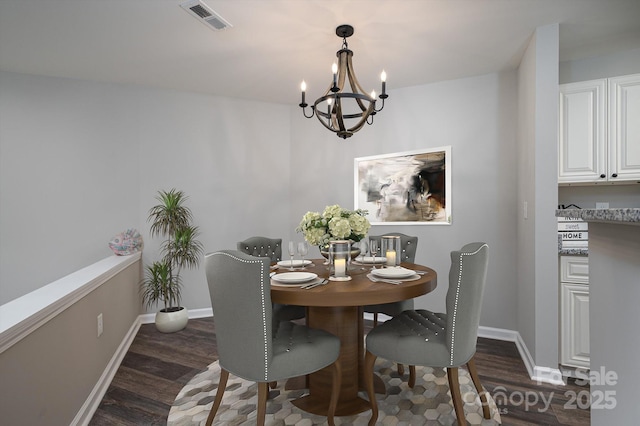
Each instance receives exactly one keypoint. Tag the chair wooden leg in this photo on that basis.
(473, 372)
(375, 319)
(401, 369)
(454, 386)
(412, 376)
(369, 361)
(222, 384)
(336, 373)
(263, 391)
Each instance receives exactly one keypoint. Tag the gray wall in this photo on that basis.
(537, 187)
(252, 168)
(477, 117)
(609, 65)
(69, 176)
(83, 161)
(231, 157)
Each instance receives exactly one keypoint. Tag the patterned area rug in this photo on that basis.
(428, 403)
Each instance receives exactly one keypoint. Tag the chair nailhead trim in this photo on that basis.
(264, 310)
(455, 305)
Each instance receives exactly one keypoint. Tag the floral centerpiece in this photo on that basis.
(335, 223)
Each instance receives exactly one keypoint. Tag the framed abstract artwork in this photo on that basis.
(405, 188)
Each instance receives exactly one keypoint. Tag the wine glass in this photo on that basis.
(292, 251)
(303, 249)
(373, 247)
(364, 249)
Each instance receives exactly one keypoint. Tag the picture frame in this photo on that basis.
(405, 188)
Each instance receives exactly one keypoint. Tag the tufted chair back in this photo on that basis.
(262, 247)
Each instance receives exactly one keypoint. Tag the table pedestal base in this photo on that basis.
(346, 323)
(318, 405)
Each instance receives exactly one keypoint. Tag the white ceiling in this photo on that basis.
(274, 44)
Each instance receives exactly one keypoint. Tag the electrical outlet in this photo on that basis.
(602, 205)
(100, 326)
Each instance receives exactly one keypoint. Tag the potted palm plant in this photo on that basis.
(162, 283)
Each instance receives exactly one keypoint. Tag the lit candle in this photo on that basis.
(303, 87)
(341, 267)
(373, 95)
(383, 78)
(391, 258)
(334, 70)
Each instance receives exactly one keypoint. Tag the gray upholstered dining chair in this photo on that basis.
(447, 340)
(272, 248)
(248, 346)
(409, 245)
(262, 247)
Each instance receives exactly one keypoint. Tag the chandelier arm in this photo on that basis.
(364, 120)
(355, 84)
(343, 64)
(323, 122)
(304, 112)
(378, 110)
(321, 115)
(338, 117)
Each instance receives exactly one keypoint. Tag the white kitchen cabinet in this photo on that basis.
(582, 126)
(624, 127)
(574, 311)
(599, 134)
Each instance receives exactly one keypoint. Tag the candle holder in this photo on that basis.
(339, 258)
(391, 249)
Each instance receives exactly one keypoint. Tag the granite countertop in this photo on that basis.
(621, 216)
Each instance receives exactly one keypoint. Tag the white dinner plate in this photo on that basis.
(296, 263)
(399, 272)
(370, 260)
(294, 277)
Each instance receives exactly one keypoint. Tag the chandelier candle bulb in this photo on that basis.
(303, 88)
(334, 70)
(383, 78)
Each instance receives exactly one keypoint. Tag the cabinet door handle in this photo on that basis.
(614, 175)
(602, 176)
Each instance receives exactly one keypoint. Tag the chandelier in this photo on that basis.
(339, 110)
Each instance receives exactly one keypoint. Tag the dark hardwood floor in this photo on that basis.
(158, 365)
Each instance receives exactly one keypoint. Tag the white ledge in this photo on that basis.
(20, 317)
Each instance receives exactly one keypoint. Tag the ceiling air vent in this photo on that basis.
(205, 14)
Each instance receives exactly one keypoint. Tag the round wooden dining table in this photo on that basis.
(337, 307)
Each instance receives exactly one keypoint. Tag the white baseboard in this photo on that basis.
(83, 417)
(193, 313)
(540, 374)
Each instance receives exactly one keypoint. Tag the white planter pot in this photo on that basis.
(170, 322)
